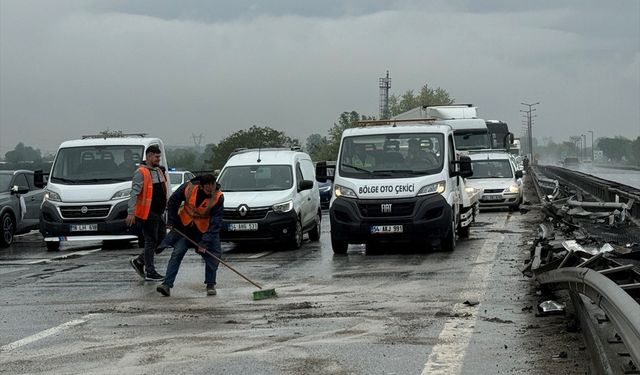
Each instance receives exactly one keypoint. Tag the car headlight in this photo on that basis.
(341, 191)
(284, 206)
(512, 189)
(436, 188)
(470, 190)
(52, 196)
(324, 189)
(124, 193)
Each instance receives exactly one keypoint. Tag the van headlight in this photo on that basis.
(124, 193)
(283, 207)
(436, 188)
(470, 190)
(341, 191)
(52, 196)
(512, 189)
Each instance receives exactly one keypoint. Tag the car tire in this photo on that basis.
(448, 243)
(52, 245)
(296, 239)
(314, 234)
(463, 232)
(339, 247)
(7, 229)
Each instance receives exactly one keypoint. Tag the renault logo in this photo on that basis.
(84, 209)
(243, 209)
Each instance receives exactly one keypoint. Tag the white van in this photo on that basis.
(270, 194)
(397, 184)
(89, 186)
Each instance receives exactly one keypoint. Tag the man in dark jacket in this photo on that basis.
(199, 218)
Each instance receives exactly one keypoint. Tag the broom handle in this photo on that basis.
(215, 257)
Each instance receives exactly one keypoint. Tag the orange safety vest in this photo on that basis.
(199, 215)
(143, 203)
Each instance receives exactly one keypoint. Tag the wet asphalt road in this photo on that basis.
(395, 311)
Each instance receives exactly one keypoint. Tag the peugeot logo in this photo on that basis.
(385, 208)
(84, 209)
(243, 209)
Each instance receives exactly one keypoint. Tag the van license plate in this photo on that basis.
(84, 227)
(386, 229)
(243, 226)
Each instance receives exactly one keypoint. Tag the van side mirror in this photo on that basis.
(519, 174)
(38, 179)
(465, 167)
(305, 185)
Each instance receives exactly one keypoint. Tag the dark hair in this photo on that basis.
(207, 179)
(154, 149)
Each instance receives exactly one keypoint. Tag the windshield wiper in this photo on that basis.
(358, 168)
(67, 180)
(406, 171)
(102, 179)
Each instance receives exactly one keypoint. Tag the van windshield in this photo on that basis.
(491, 169)
(392, 155)
(472, 139)
(96, 164)
(256, 178)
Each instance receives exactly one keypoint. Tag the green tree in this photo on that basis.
(426, 97)
(635, 151)
(616, 149)
(345, 121)
(22, 153)
(254, 137)
(315, 146)
(185, 158)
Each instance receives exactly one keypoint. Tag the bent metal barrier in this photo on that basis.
(620, 307)
(599, 188)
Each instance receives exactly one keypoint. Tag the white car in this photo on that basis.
(177, 178)
(497, 180)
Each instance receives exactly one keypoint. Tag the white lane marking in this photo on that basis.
(41, 335)
(75, 254)
(446, 358)
(259, 255)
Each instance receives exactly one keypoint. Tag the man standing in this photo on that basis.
(147, 204)
(200, 219)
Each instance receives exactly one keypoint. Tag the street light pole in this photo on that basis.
(529, 123)
(591, 131)
(583, 145)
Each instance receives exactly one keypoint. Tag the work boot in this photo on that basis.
(153, 276)
(138, 266)
(164, 290)
(211, 290)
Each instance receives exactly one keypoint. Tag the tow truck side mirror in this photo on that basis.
(519, 174)
(322, 174)
(38, 179)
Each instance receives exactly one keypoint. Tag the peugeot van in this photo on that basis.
(270, 194)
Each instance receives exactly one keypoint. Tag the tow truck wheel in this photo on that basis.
(314, 234)
(52, 245)
(7, 230)
(448, 243)
(339, 247)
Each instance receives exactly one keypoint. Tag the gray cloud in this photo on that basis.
(174, 68)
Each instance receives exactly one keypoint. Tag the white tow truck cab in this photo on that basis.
(89, 187)
(396, 184)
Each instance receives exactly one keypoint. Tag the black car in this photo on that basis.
(20, 202)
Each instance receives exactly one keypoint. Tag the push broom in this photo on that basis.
(257, 295)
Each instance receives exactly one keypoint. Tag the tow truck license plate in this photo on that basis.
(84, 227)
(492, 197)
(243, 226)
(386, 229)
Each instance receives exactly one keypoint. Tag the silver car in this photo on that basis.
(20, 202)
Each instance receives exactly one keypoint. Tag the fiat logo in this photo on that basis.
(84, 209)
(243, 209)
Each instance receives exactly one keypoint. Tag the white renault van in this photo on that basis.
(89, 186)
(270, 194)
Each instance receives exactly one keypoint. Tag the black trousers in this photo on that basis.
(154, 231)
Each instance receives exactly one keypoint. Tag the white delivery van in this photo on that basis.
(396, 184)
(270, 194)
(89, 187)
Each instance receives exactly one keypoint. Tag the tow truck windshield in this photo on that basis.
(96, 164)
(392, 155)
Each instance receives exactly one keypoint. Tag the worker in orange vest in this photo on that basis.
(146, 205)
(200, 219)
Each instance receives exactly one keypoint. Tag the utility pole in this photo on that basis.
(591, 131)
(385, 85)
(197, 141)
(529, 124)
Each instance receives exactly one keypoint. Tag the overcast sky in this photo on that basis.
(176, 68)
